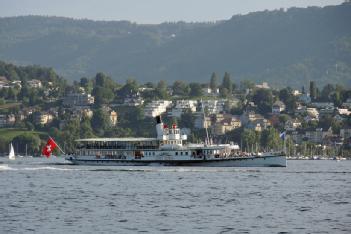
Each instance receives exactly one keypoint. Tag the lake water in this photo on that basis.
(44, 196)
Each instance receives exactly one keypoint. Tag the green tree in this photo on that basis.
(11, 94)
(337, 96)
(249, 139)
(286, 96)
(224, 93)
(86, 130)
(313, 91)
(180, 88)
(86, 84)
(129, 89)
(100, 121)
(270, 139)
(105, 81)
(227, 84)
(263, 99)
(195, 90)
(102, 95)
(31, 140)
(246, 84)
(71, 132)
(187, 120)
(214, 81)
(326, 93)
(161, 89)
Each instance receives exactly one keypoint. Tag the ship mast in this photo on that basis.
(205, 123)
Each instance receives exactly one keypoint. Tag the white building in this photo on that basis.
(214, 106)
(343, 111)
(43, 118)
(323, 105)
(34, 83)
(313, 112)
(292, 124)
(181, 106)
(210, 92)
(7, 120)
(156, 108)
(133, 101)
(113, 118)
(264, 85)
(78, 99)
(296, 92)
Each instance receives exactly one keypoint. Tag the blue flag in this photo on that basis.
(282, 135)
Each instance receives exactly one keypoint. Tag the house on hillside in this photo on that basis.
(292, 124)
(264, 85)
(113, 118)
(317, 135)
(181, 106)
(78, 99)
(210, 92)
(249, 116)
(278, 107)
(7, 120)
(34, 83)
(43, 118)
(259, 124)
(226, 124)
(156, 108)
(313, 112)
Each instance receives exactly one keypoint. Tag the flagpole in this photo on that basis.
(285, 145)
(57, 145)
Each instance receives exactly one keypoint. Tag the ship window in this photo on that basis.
(153, 153)
(181, 153)
(176, 153)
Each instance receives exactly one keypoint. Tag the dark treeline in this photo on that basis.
(284, 47)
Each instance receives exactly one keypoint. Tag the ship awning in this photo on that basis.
(124, 139)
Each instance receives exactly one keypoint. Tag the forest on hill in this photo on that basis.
(284, 47)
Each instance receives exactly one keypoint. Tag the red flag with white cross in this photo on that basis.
(49, 147)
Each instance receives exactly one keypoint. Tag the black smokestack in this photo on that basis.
(158, 119)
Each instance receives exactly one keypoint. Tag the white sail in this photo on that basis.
(12, 153)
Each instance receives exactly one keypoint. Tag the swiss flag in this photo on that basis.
(49, 147)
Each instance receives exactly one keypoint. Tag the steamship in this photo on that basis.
(169, 148)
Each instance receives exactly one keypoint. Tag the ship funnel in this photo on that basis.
(159, 127)
(158, 119)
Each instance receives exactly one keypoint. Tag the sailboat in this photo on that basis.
(12, 153)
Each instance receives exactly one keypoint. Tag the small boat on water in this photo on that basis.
(169, 148)
(12, 153)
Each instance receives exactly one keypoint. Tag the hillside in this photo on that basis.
(283, 47)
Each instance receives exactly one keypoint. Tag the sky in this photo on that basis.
(149, 11)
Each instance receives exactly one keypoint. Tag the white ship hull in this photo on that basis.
(253, 161)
